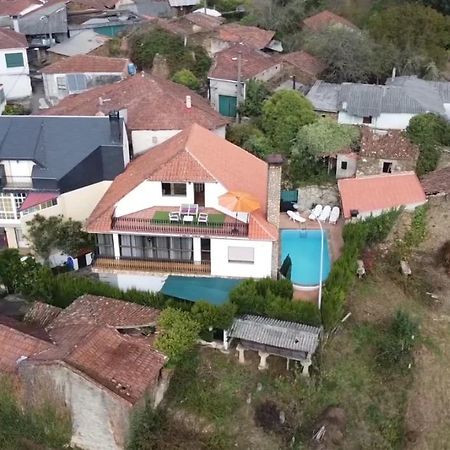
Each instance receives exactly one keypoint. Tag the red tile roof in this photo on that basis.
(387, 144)
(380, 192)
(305, 62)
(15, 7)
(152, 104)
(190, 24)
(11, 39)
(323, 20)
(41, 314)
(253, 36)
(437, 182)
(95, 310)
(87, 64)
(195, 155)
(253, 62)
(36, 198)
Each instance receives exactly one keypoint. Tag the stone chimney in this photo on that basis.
(160, 67)
(188, 102)
(275, 163)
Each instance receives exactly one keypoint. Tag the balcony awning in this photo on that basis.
(35, 198)
(211, 289)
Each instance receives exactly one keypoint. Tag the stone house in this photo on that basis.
(94, 358)
(326, 19)
(385, 152)
(303, 66)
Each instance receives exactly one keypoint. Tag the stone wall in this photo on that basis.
(313, 195)
(374, 166)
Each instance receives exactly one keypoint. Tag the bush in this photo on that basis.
(146, 428)
(256, 93)
(241, 132)
(15, 110)
(186, 78)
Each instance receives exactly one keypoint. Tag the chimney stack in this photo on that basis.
(188, 102)
(114, 125)
(275, 163)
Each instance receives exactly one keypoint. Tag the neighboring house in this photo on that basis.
(132, 223)
(239, 62)
(386, 152)
(43, 22)
(2, 99)
(183, 5)
(56, 166)
(388, 107)
(156, 109)
(305, 67)
(325, 19)
(80, 73)
(14, 70)
(367, 196)
(91, 359)
(437, 183)
(342, 163)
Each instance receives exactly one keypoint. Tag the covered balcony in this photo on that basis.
(172, 220)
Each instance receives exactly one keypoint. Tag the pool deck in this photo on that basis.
(335, 242)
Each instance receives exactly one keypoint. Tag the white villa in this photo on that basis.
(163, 215)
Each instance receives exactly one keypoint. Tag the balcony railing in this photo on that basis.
(136, 225)
(153, 266)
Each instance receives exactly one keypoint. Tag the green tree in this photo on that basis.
(283, 115)
(256, 93)
(178, 333)
(71, 237)
(441, 5)
(10, 269)
(260, 146)
(421, 34)
(186, 78)
(349, 56)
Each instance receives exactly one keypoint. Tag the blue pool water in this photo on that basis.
(303, 246)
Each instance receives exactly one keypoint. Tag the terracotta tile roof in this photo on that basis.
(96, 4)
(380, 192)
(305, 62)
(95, 310)
(260, 229)
(387, 144)
(87, 63)
(253, 62)
(190, 24)
(323, 20)
(42, 314)
(151, 103)
(18, 340)
(36, 198)
(253, 36)
(437, 182)
(11, 39)
(15, 7)
(196, 155)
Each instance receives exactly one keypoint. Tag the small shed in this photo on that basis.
(269, 336)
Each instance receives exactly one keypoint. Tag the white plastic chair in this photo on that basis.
(325, 214)
(202, 218)
(295, 217)
(334, 216)
(174, 217)
(315, 213)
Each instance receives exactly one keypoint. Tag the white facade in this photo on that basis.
(384, 121)
(345, 165)
(15, 73)
(144, 139)
(366, 214)
(2, 100)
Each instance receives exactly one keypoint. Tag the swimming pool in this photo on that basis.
(303, 247)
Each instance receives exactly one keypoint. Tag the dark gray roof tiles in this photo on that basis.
(276, 333)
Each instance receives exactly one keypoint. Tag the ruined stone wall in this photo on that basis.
(374, 166)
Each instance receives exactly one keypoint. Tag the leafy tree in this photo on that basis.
(186, 78)
(71, 237)
(179, 333)
(211, 316)
(349, 56)
(260, 146)
(10, 269)
(238, 133)
(256, 94)
(283, 115)
(417, 31)
(441, 5)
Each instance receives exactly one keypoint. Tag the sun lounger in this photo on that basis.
(315, 213)
(325, 214)
(334, 216)
(295, 216)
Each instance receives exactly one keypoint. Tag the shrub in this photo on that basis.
(146, 428)
(15, 110)
(241, 132)
(186, 78)
(256, 94)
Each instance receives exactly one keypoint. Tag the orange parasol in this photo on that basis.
(239, 201)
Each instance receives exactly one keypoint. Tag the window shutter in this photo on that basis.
(14, 60)
(241, 254)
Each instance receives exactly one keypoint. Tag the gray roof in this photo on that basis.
(153, 8)
(80, 43)
(276, 333)
(324, 96)
(180, 3)
(56, 144)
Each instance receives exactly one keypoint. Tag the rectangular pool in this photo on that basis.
(303, 247)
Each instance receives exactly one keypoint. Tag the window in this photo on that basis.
(76, 82)
(156, 248)
(19, 236)
(171, 189)
(104, 245)
(14, 60)
(19, 198)
(367, 119)
(7, 210)
(241, 255)
(387, 167)
(344, 165)
(61, 83)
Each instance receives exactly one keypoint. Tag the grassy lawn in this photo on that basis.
(213, 219)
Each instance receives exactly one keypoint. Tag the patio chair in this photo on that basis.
(325, 214)
(202, 218)
(174, 217)
(295, 217)
(315, 213)
(334, 216)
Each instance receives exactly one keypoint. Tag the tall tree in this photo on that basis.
(283, 115)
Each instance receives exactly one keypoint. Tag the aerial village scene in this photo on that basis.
(224, 224)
